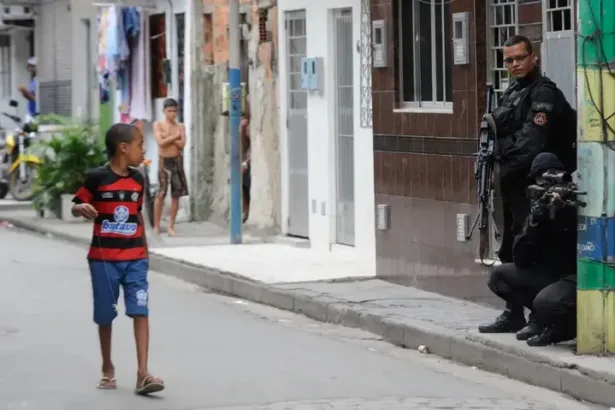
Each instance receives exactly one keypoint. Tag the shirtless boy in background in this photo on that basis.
(171, 139)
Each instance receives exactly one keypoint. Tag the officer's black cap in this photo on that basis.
(544, 162)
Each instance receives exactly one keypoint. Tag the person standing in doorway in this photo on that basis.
(30, 92)
(171, 138)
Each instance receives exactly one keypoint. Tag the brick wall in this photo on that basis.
(424, 165)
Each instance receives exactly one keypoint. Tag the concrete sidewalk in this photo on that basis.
(402, 315)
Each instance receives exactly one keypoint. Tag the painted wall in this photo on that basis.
(321, 133)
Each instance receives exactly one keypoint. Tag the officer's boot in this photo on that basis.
(533, 328)
(507, 322)
(550, 336)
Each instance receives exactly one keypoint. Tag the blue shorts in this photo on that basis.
(106, 280)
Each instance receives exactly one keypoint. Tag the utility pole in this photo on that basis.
(596, 175)
(235, 115)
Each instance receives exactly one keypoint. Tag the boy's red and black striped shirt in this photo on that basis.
(118, 234)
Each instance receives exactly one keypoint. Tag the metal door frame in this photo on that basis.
(303, 232)
(547, 34)
(345, 13)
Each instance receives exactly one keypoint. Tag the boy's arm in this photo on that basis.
(163, 141)
(142, 222)
(181, 141)
(85, 195)
(141, 179)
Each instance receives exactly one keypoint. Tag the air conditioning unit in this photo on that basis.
(16, 13)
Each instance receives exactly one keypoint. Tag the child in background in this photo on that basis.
(171, 139)
(112, 196)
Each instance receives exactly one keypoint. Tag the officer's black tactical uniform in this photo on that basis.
(532, 116)
(543, 275)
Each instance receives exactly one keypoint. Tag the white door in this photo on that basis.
(296, 124)
(344, 125)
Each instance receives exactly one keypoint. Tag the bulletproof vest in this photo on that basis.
(513, 109)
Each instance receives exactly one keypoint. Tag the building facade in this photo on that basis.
(325, 124)
(428, 98)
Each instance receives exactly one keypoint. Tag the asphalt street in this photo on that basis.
(213, 352)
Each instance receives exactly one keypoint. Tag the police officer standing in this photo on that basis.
(543, 275)
(532, 116)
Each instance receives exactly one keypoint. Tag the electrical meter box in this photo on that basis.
(461, 41)
(380, 44)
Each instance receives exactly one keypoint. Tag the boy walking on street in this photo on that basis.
(112, 196)
(171, 139)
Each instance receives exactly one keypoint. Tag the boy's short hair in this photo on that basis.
(117, 134)
(170, 103)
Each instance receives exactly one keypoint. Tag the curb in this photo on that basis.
(472, 349)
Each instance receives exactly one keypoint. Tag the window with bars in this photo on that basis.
(502, 24)
(5, 66)
(559, 15)
(425, 53)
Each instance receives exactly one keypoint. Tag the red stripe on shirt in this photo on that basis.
(105, 254)
(122, 184)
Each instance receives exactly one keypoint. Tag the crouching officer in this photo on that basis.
(532, 116)
(543, 274)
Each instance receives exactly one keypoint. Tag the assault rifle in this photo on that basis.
(556, 191)
(483, 173)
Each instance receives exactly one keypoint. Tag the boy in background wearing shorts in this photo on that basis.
(171, 138)
(112, 196)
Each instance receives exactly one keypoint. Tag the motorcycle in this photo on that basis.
(18, 168)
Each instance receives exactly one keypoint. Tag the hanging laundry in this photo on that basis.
(132, 18)
(122, 41)
(102, 37)
(103, 86)
(141, 97)
(123, 79)
(111, 41)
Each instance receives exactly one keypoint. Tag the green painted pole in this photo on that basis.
(596, 167)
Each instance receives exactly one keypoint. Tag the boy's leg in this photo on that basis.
(179, 188)
(105, 289)
(163, 186)
(136, 297)
(173, 215)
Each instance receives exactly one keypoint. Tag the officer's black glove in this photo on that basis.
(539, 211)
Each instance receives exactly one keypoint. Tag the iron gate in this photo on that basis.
(296, 124)
(344, 126)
